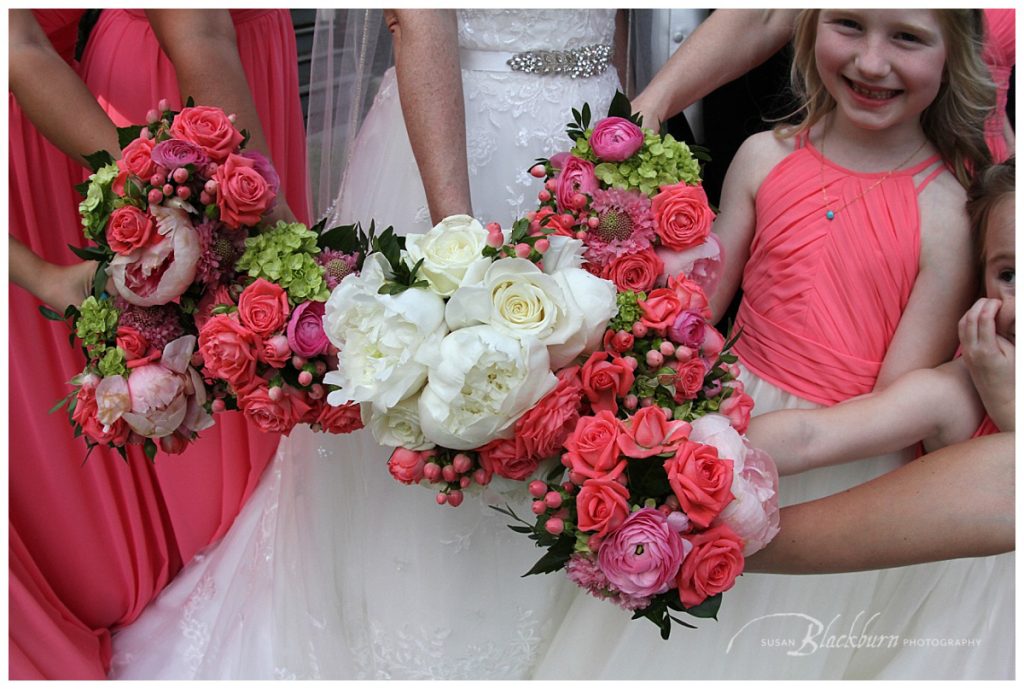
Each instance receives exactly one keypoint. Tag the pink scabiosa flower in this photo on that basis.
(336, 265)
(584, 571)
(157, 324)
(219, 250)
(625, 225)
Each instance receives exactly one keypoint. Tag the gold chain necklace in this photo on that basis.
(831, 213)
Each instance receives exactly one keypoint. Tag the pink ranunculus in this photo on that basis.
(544, 428)
(175, 153)
(660, 309)
(577, 176)
(406, 466)
(689, 378)
(209, 129)
(642, 557)
(592, 449)
(634, 272)
(129, 229)
(86, 414)
(682, 216)
(273, 416)
(558, 160)
(134, 343)
(712, 566)
(615, 139)
(306, 334)
(342, 419)
(136, 159)
(648, 432)
(163, 269)
(159, 399)
(506, 457)
(601, 506)
(243, 195)
(263, 307)
(229, 350)
(606, 377)
(700, 480)
(737, 406)
(691, 296)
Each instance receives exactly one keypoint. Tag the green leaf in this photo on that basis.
(586, 116)
(126, 135)
(96, 161)
(99, 281)
(620, 106)
(190, 102)
(89, 253)
(647, 477)
(245, 138)
(62, 402)
(556, 557)
(50, 314)
(149, 447)
(344, 238)
(707, 609)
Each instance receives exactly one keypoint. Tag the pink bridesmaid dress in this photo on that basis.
(128, 73)
(1000, 53)
(90, 544)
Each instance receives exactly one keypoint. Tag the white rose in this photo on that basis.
(564, 252)
(517, 298)
(398, 426)
(448, 250)
(595, 299)
(480, 382)
(380, 338)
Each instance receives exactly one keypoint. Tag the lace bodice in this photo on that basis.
(518, 30)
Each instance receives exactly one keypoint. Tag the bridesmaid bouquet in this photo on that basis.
(659, 497)
(634, 196)
(460, 347)
(169, 220)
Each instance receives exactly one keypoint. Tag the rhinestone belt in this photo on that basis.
(576, 63)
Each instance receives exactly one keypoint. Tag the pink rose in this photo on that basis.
(306, 334)
(737, 406)
(243, 195)
(601, 506)
(272, 416)
(605, 377)
(136, 159)
(691, 295)
(700, 481)
(175, 153)
(128, 229)
(618, 342)
(682, 216)
(506, 457)
(406, 466)
(134, 343)
(642, 556)
(116, 434)
(648, 432)
(660, 309)
(592, 449)
(689, 378)
(712, 566)
(263, 307)
(229, 350)
(275, 352)
(542, 430)
(343, 419)
(212, 298)
(688, 329)
(576, 177)
(614, 139)
(634, 272)
(209, 129)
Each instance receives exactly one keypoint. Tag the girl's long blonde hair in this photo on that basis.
(954, 122)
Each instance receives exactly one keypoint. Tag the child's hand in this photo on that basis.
(990, 360)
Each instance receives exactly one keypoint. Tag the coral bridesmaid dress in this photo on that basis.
(128, 73)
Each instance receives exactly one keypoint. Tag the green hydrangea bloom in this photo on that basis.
(113, 363)
(582, 148)
(95, 208)
(97, 321)
(284, 255)
(660, 161)
(629, 311)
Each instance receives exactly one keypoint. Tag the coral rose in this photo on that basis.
(273, 416)
(507, 457)
(712, 566)
(660, 309)
(592, 449)
(243, 195)
(263, 307)
(648, 432)
(689, 378)
(342, 419)
(700, 480)
(605, 377)
(128, 229)
(543, 429)
(634, 272)
(406, 466)
(691, 295)
(737, 406)
(137, 159)
(601, 506)
(682, 216)
(229, 350)
(209, 129)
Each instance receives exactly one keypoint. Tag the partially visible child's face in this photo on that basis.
(1000, 265)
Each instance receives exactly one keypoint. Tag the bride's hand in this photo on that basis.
(643, 106)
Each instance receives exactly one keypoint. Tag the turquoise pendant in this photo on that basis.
(831, 215)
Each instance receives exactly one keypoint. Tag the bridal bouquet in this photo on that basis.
(634, 196)
(168, 220)
(460, 346)
(659, 497)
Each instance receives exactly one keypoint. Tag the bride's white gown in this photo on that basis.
(333, 569)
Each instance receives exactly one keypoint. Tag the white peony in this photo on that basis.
(595, 299)
(481, 381)
(448, 250)
(398, 426)
(380, 337)
(564, 252)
